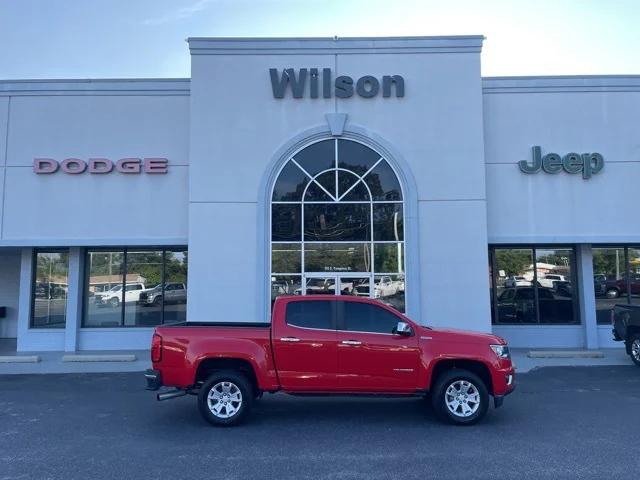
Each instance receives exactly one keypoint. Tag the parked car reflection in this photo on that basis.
(517, 304)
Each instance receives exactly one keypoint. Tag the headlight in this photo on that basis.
(502, 351)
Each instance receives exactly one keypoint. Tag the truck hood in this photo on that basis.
(463, 336)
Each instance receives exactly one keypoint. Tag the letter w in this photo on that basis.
(279, 85)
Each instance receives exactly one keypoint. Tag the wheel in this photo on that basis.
(114, 302)
(460, 397)
(157, 301)
(612, 293)
(226, 398)
(634, 349)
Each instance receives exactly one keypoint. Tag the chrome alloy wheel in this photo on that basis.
(224, 399)
(462, 398)
(635, 349)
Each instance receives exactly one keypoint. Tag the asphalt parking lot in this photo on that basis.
(562, 422)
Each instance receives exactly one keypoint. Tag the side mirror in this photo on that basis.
(404, 329)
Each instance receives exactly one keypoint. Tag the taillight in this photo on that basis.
(156, 348)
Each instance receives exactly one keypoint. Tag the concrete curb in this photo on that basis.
(19, 359)
(99, 358)
(565, 354)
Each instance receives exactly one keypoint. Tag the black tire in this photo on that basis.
(239, 382)
(634, 348)
(157, 301)
(439, 397)
(114, 302)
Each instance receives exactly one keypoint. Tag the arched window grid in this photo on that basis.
(338, 197)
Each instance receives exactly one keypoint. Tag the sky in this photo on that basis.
(146, 38)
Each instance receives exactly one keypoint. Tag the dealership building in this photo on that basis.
(380, 167)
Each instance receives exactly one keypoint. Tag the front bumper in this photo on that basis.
(154, 379)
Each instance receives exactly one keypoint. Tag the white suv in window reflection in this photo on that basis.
(113, 296)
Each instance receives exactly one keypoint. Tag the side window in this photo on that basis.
(364, 317)
(311, 314)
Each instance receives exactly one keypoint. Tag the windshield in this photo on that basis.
(116, 288)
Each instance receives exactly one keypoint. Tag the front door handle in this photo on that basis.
(351, 342)
(289, 339)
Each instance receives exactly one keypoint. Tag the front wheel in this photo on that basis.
(460, 397)
(612, 293)
(634, 349)
(226, 398)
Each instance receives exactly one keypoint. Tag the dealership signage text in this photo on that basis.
(75, 166)
(343, 87)
(587, 163)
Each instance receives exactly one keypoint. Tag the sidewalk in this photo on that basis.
(52, 362)
(524, 364)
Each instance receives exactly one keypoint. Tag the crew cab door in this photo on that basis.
(371, 358)
(304, 344)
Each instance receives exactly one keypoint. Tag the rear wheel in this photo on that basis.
(460, 397)
(634, 349)
(225, 399)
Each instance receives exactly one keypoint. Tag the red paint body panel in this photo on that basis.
(317, 360)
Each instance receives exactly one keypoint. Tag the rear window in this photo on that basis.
(311, 314)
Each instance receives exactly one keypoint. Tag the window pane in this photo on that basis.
(383, 183)
(50, 290)
(311, 314)
(320, 286)
(555, 286)
(388, 257)
(364, 317)
(103, 291)
(514, 285)
(356, 157)
(285, 285)
(337, 257)
(286, 257)
(144, 272)
(285, 222)
(609, 281)
(345, 181)
(359, 193)
(317, 157)
(388, 223)
(389, 289)
(337, 222)
(290, 184)
(175, 286)
(634, 274)
(328, 181)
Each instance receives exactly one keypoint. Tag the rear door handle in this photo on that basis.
(351, 342)
(289, 339)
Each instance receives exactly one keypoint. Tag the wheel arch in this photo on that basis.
(477, 367)
(207, 366)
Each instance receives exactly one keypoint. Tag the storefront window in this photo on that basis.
(135, 287)
(534, 285)
(616, 278)
(337, 220)
(609, 280)
(50, 287)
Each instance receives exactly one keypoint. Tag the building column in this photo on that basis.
(74, 299)
(587, 295)
(24, 296)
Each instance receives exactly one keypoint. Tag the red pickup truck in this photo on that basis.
(323, 344)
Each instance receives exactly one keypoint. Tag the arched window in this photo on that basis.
(337, 224)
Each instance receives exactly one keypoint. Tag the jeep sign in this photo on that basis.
(587, 163)
(75, 166)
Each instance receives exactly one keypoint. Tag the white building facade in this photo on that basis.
(381, 167)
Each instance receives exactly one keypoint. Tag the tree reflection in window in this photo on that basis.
(337, 206)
